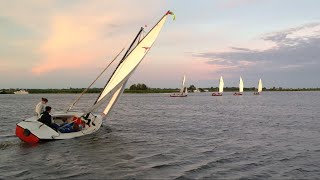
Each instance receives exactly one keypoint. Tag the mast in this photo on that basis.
(123, 58)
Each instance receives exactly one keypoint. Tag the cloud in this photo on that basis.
(69, 36)
(292, 47)
(296, 49)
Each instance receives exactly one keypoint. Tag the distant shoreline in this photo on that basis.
(150, 90)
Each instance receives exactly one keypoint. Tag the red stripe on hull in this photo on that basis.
(26, 135)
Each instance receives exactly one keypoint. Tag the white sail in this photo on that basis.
(186, 91)
(183, 81)
(221, 85)
(114, 99)
(240, 85)
(129, 64)
(260, 86)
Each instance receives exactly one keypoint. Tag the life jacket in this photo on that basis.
(79, 122)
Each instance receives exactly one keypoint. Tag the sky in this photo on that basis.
(63, 44)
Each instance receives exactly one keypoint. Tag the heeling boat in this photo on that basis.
(32, 131)
(240, 88)
(221, 85)
(183, 91)
(259, 88)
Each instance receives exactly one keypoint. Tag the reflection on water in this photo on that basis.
(275, 135)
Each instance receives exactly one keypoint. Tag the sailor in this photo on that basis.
(46, 119)
(40, 106)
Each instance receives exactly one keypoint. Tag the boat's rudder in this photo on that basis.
(26, 135)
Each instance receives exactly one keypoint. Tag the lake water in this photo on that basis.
(151, 136)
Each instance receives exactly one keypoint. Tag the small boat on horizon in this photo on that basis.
(183, 91)
(240, 88)
(259, 88)
(22, 91)
(221, 85)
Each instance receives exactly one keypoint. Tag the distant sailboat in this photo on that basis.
(240, 88)
(259, 88)
(221, 85)
(183, 91)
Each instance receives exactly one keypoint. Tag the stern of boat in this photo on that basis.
(26, 135)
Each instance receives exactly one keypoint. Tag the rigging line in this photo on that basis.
(84, 91)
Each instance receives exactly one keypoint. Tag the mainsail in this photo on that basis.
(240, 85)
(127, 66)
(260, 86)
(221, 85)
(183, 81)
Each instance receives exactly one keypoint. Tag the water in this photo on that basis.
(152, 136)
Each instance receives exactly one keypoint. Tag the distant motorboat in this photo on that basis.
(183, 91)
(240, 88)
(22, 91)
(259, 88)
(221, 85)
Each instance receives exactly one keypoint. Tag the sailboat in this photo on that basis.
(259, 88)
(221, 85)
(240, 88)
(33, 131)
(183, 91)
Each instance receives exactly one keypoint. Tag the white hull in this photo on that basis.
(21, 92)
(37, 131)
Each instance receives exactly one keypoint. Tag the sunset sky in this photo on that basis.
(62, 44)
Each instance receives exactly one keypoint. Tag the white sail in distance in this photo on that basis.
(221, 85)
(260, 86)
(130, 63)
(183, 81)
(240, 85)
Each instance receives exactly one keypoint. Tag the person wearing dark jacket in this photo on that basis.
(47, 119)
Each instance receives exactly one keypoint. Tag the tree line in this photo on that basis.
(143, 88)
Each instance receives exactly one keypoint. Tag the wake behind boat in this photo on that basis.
(221, 85)
(183, 91)
(32, 131)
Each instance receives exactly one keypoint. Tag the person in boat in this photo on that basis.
(40, 106)
(46, 119)
(74, 125)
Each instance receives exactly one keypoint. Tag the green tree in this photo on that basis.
(192, 87)
(133, 87)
